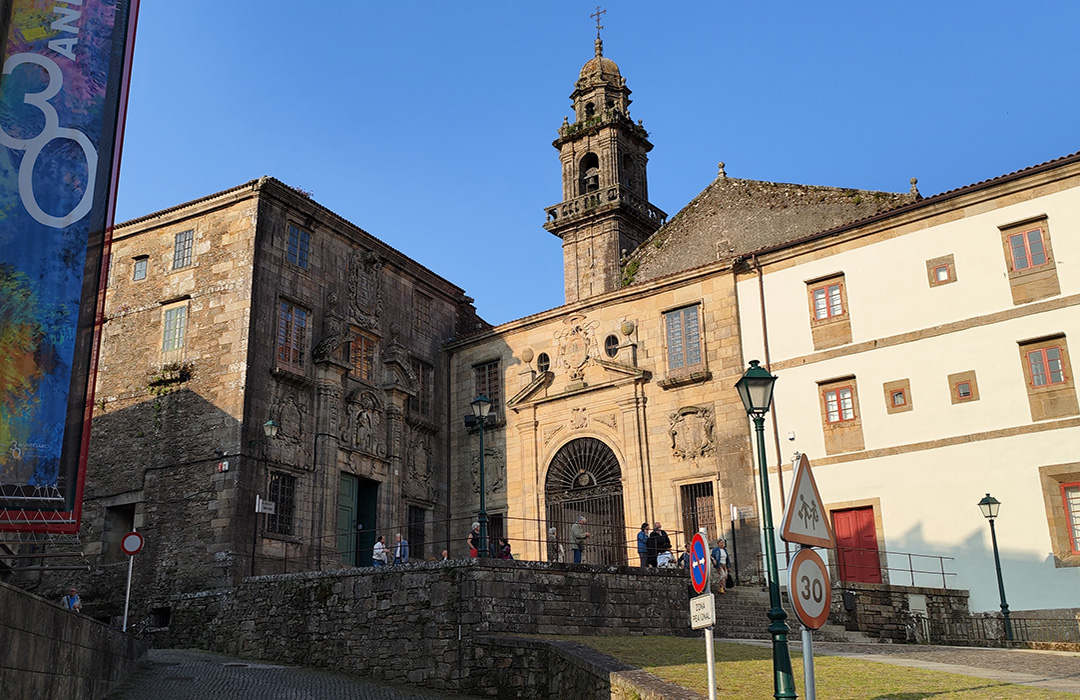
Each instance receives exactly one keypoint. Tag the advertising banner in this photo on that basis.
(63, 92)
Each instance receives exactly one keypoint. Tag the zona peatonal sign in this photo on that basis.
(805, 519)
(63, 93)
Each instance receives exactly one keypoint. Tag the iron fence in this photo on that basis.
(989, 628)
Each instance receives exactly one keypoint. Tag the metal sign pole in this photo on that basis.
(711, 661)
(127, 596)
(808, 663)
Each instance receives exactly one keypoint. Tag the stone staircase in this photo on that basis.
(741, 614)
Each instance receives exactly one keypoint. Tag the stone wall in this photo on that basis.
(422, 624)
(883, 611)
(49, 652)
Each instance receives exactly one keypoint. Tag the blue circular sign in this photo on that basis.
(699, 563)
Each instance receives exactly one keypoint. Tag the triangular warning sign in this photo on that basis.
(805, 519)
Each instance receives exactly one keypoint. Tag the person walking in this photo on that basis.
(643, 545)
(578, 534)
(720, 563)
(378, 553)
(401, 549)
(72, 601)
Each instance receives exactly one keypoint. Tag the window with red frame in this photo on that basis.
(899, 397)
(839, 405)
(828, 302)
(1046, 367)
(1027, 249)
(292, 336)
(963, 390)
(1070, 494)
(941, 273)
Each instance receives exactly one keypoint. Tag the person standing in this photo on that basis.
(401, 549)
(504, 549)
(643, 545)
(72, 601)
(658, 543)
(554, 549)
(577, 532)
(378, 553)
(474, 541)
(720, 563)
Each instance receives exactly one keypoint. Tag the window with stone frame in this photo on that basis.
(281, 490)
(682, 332)
(292, 336)
(1029, 259)
(841, 419)
(298, 246)
(1070, 499)
(421, 313)
(487, 378)
(174, 330)
(830, 322)
(422, 405)
(963, 387)
(139, 268)
(1048, 375)
(1060, 486)
(183, 245)
(941, 270)
(898, 396)
(362, 356)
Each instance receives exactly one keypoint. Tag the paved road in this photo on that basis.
(172, 674)
(1052, 670)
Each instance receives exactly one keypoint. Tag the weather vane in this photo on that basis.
(597, 15)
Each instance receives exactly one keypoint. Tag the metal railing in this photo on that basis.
(860, 565)
(989, 628)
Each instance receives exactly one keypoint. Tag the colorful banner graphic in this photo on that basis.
(63, 92)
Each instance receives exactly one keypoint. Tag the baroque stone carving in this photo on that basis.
(290, 418)
(419, 459)
(577, 345)
(366, 414)
(494, 470)
(607, 419)
(551, 432)
(579, 418)
(365, 288)
(333, 337)
(691, 433)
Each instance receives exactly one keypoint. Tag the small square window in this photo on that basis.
(963, 390)
(941, 273)
(899, 398)
(140, 269)
(182, 248)
(299, 246)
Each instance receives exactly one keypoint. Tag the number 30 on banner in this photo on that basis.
(51, 131)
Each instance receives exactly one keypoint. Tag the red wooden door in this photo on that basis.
(856, 545)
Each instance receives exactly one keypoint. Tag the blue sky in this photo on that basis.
(429, 124)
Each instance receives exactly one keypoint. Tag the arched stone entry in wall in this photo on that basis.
(584, 478)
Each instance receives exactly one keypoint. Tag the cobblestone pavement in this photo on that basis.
(1053, 670)
(172, 674)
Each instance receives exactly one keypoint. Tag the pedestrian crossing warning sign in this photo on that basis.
(805, 519)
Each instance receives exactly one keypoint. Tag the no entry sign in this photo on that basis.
(699, 563)
(132, 543)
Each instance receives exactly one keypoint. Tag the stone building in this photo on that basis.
(249, 313)
(620, 405)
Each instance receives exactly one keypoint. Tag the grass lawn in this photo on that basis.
(744, 671)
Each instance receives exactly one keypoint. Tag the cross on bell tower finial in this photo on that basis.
(599, 42)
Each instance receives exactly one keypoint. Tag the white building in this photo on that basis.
(923, 362)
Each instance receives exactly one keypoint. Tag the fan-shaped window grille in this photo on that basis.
(584, 478)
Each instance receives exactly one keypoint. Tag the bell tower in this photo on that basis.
(605, 210)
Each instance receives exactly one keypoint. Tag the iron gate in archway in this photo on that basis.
(584, 478)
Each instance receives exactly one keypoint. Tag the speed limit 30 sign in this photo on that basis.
(809, 589)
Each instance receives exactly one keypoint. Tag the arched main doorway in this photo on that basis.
(584, 478)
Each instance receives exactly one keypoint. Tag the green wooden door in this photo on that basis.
(348, 489)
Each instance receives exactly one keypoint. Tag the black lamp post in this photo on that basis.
(756, 389)
(270, 429)
(990, 507)
(481, 408)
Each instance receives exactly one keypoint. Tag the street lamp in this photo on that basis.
(481, 407)
(756, 389)
(270, 430)
(990, 507)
